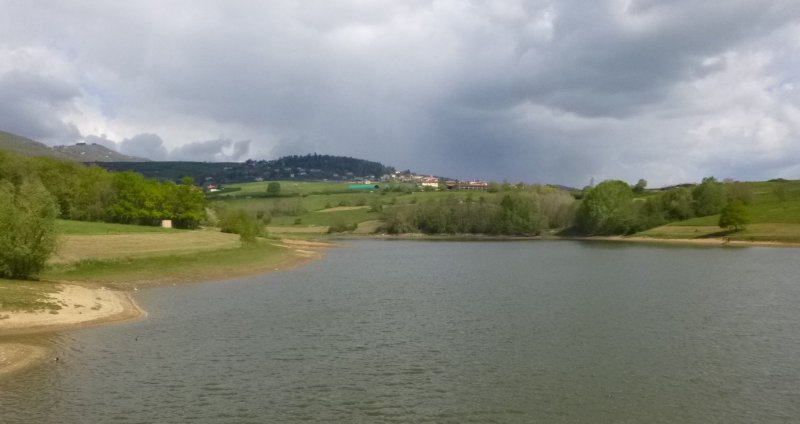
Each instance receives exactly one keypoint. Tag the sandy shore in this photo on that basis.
(80, 307)
(83, 306)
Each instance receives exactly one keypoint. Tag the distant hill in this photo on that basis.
(308, 167)
(80, 152)
(27, 147)
(94, 152)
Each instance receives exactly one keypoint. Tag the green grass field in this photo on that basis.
(774, 210)
(127, 272)
(289, 187)
(68, 227)
(307, 213)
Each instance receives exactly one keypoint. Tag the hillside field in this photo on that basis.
(311, 207)
(774, 210)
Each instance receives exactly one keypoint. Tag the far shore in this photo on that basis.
(711, 241)
(91, 303)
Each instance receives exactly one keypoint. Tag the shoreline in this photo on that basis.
(708, 242)
(81, 307)
(90, 304)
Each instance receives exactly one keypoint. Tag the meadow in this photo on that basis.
(773, 208)
(313, 207)
(124, 257)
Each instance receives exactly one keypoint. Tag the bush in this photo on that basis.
(27, 228)
(237, 221)
(341, 228)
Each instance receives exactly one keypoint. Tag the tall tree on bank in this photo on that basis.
(734, 216)
(709, 197)
(607, 209)
(27, 228)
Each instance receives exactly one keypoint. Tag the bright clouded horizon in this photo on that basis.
(534, 91)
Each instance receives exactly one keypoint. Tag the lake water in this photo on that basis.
(447, 332)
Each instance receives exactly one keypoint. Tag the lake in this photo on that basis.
(446, 332)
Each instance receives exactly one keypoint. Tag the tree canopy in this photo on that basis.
(607, 209)
(734, 216)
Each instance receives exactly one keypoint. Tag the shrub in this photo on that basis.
(27, 228)
(237, 221)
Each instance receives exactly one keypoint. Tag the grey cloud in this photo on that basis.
(219, 150)
(550, 91)
(145, 145)
(33, 105)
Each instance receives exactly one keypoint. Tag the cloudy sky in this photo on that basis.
(535, 91)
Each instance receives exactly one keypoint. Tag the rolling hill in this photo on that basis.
(80, 152)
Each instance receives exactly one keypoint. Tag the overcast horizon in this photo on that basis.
(535, 91)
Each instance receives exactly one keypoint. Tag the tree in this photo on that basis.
(734, 216)
(678, 204)
(27, 228)
(640, 186)
(273, 188)
(607, 209)
(238, 221)
(709, 197)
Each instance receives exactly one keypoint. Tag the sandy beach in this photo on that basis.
(80, 307)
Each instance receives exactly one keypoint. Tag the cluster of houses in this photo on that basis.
(435, 183)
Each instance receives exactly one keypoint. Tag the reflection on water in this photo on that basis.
(447, 332)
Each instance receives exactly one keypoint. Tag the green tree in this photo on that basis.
(640, 186)
(273, 188)
(185, 204)
(708, 197)
(238, 221)
(27, 228)
(734, 216)
(607, 209)
(678, 204)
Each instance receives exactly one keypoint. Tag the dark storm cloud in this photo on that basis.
(32, 105)
(549, 91)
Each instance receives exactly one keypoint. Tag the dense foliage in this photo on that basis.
(522, 211)
(27, 227)
(238, 221)
(607, 209)
(734, 215)
(90, 193)
(612, 208)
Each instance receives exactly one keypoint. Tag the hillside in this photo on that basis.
(80, 152)
(27, 147)
(93, 152)
(308, 167)
(773, 208)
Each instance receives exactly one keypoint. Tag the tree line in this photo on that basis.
(34, 191)
(611, 208)
(524, 211)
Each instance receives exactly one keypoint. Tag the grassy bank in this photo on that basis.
(773, 208)
(124, 257)
(126, 272)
